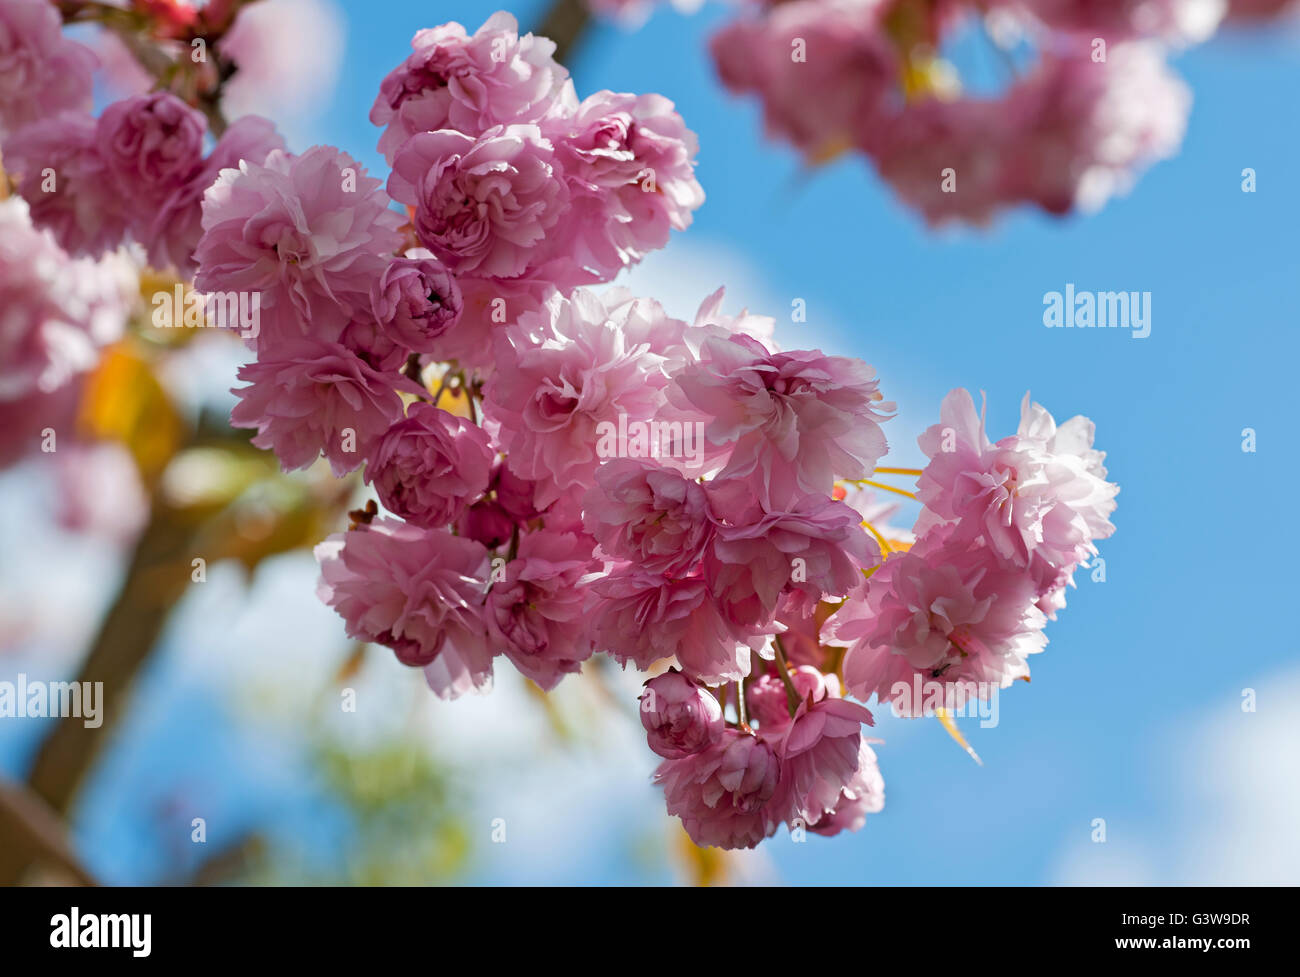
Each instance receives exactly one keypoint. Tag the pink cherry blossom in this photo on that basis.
(418, 592)
(1023, 496)
(645, 617)
(430, 465)
(797, 420)
(820, 753)
(680, 717)
(1086, 129)
(561, 373)
(453, 80)
(152, 145)
(415, 300)
(41, 71)
(55, 312)
(317, 398)
(65, 181)
(310, 233)
(651, 515)
(943, 612)
(535, 615)
(840, 85)
(813, 548)
(484, 206)
(968, 140)
(722, 794)
(630, 165)
(863, 794)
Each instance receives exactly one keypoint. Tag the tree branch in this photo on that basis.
(565, 24)
(32, 830)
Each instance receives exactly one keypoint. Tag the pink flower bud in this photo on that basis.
(680, 717)
(415, 300)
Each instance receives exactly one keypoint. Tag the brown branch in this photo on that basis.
(154, 581)
(565, 23)
(32, 830)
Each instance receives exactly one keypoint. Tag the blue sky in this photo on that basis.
(1133, 714)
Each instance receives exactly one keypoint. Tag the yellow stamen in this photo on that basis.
(882, 486)
(899, 471)
(885, 548)
(946, 720)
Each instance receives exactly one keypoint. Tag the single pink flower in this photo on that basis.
(651, 515)
(945, 613)
(820, 753)
(680, 717)
(722, 794)
(415, 300)
(317, 398)
(798, 420)
(41, 71)
(453, 80)
(564, 376)
(1026, 496)
(1085, 130)
(535, 615)
(484, 206)
(644, 617)
(418, 592)
(430, 465)
(309, 233)
(630, 164)
(152, 145)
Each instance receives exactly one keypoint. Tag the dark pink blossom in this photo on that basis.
(430, 465)
(317, 398)
(418, 592)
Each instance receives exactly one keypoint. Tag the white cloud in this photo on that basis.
(1232, 801)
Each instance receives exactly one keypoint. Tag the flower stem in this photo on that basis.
(783, 667)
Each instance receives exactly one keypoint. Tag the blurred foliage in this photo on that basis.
(124, 401)
(404, 821)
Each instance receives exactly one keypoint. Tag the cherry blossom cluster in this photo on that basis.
(563, 472)
(583, 517)
(86, 201)
(137, 173)
(944, 614)
(1092, 103)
